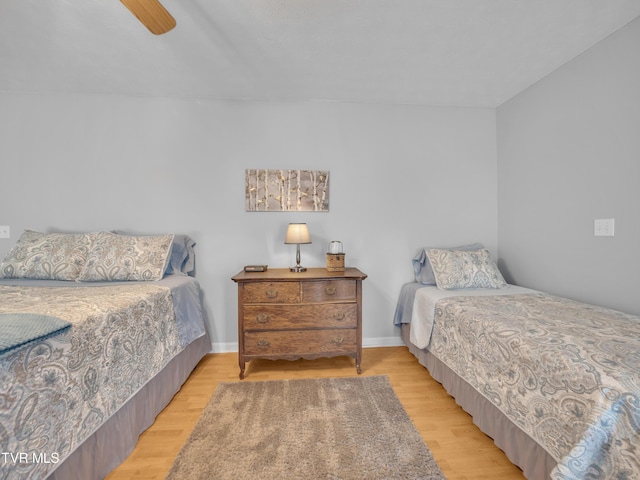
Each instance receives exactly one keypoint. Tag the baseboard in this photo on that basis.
(224, 347)
(366, 343)
(382, 342)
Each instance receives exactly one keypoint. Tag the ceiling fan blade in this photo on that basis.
(152, 15)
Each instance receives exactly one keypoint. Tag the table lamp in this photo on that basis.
(297, 233)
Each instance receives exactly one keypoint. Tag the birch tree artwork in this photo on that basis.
(286, 190)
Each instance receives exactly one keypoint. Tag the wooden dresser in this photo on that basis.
(292, 315)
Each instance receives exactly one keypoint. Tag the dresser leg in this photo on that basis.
(241, 362)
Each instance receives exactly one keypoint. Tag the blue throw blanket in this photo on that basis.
(18, 329)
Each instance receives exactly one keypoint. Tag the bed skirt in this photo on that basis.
(112, 443)
(519, 447)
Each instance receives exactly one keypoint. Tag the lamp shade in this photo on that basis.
(297, 233)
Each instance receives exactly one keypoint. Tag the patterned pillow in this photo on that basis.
(456, 269)
(182, 260)
(47, 256)
(124, 257)
(422, 266)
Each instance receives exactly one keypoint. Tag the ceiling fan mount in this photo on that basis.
(152, 15)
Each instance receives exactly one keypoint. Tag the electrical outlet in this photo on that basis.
(603, 227)
(4, 231)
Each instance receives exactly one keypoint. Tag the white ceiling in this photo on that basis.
(435, 52)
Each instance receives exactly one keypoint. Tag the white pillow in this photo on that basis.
(127, 257)
(457, 269)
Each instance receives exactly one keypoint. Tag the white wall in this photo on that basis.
(401, 177)
(569, 153)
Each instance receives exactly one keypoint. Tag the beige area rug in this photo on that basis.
(335, 428)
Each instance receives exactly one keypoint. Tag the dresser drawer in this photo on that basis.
(329, 291)
(300, 342)
(330, 315)
(271, 292)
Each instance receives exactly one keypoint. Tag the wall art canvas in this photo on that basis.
(286, 190)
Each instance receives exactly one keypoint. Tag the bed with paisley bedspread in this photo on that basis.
(56, 393)
(74, 401)
(555, 382)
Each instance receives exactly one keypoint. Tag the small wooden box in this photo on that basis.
(335, 262)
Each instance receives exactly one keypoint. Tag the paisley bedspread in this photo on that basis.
(567, 373)
(55, 393)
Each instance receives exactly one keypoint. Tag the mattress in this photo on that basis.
(58, 393)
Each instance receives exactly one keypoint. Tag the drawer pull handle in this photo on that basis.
(331, 290)
(338, 340)
(271, 293)
(264, 344)
(262, 318)
(338, 316)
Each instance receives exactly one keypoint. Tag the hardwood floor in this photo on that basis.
(460, 448)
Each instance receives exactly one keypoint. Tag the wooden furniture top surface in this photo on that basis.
(284, 274)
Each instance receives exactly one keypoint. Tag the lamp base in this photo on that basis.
(298, 268)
